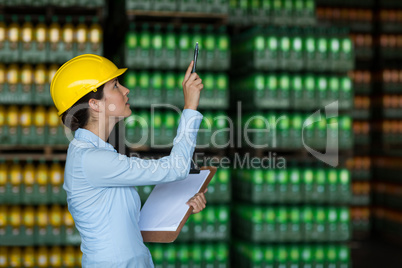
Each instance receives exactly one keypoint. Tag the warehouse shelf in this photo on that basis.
(176, 17)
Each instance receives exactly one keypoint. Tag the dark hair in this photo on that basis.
(77, 115)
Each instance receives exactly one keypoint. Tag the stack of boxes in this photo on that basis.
(36, 229)
(157, 56)
(387, 165)
(358, 17)
(296, 214)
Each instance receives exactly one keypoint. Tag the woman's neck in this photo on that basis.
(101, 130)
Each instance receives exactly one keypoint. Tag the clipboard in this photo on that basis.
(170, 236)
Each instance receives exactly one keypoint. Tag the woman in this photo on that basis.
(99, 181)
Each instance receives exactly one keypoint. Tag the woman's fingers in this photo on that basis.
(188, 72)
(197, 202)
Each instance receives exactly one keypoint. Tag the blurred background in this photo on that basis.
(279, 58)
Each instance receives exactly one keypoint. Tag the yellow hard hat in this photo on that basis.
(79, 76)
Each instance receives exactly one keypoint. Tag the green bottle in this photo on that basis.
(209, 222)
(169, 86)
(222, 49)
(169, 255)
(319, 256)
(322, 90)
(143, 99)
(307, 185)
(144, 57)
(283, 131)
(320, 186)
(294, 255)
(331, 255)
(143, 127)
(223, 216)
(334, 51)
(282, 185)
(208, 255)
(296, 56)
(269, 257)
(221, 255)
(332, 186)
(184, 55)
(268, 94)
(224, 185)
(169, 50)
(332, 221)
(284, 91)
(311, 51)
(221, 93)
(270, 194)
(281, 256)
(156, 47)
(321, 132)
(307, 218)
(282, 228)
(156, 87)
(296, 92)
(347, 54)
(345, 93)
(157, 254)
(295, 131)
(269, 229)
(345, 132)
(168, 127)
(197, 254)
(209, 48)
(333, 94)
(322, 56)
(257, 223)
(271, 51)
(130, 128)
(156, 128)
(294, 233)
(344, 185)
(343, 254)
(183, 255)
(257, 184)
(344, 224)
(319, 231)
(295, 186)
(284, 52)
(132, 40)
(306, 255)
(198, 227)
(207, 93)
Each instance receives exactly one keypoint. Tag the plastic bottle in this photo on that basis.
(27, 34)
(95, 36)
(42, 257)
(81, 36)
(68, 35)
(54, 34)
(28, 257)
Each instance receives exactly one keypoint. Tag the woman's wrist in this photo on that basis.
(191, 108)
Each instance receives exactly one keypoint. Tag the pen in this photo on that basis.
(195, 57)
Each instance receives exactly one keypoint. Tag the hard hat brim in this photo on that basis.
(114, 75)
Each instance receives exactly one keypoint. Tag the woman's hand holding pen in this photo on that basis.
(198, 202)
(192, 86)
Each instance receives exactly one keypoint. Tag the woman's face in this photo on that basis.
(116, 100)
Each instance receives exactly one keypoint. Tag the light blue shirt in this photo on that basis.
(101, 197)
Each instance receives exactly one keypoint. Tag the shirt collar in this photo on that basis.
(84, 134)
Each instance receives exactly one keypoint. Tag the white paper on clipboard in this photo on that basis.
(166, 205)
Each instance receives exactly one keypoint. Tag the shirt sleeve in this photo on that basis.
(105, 168)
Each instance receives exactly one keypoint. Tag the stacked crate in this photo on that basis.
(295, 213)
(358, 16)
(36, 228)
(157, 55)
(387, 130)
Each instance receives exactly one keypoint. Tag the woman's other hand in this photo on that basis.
(198, 202)
(192, 86)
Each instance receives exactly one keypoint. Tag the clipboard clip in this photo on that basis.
(194, 169)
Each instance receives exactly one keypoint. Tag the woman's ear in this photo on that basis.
(94, 105)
